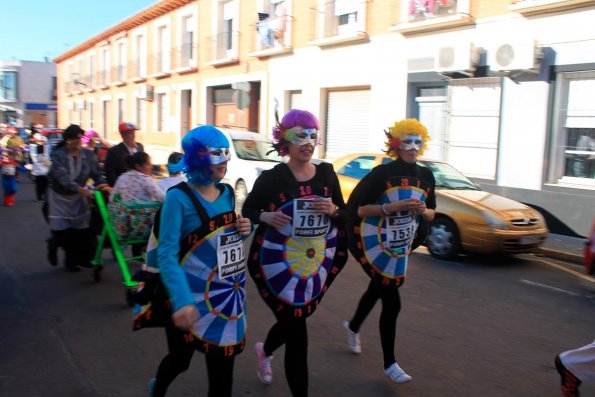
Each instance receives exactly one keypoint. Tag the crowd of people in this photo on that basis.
(303, 232)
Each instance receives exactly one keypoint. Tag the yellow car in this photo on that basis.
(468, 220)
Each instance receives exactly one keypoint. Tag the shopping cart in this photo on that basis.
(123, 224)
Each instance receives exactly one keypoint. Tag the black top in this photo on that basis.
(280, 179)
(373, 185)
(114, 161)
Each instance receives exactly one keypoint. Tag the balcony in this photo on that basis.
(103, 79)
(184, 58)
(159, 64)
(340, 22)
(137, 70)
(531, 7)
(119, 76)
(427, 16)
(223, 48)
(273, 35)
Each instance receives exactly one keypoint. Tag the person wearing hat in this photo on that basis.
(385, 209)
(89, 141)
(114, 161)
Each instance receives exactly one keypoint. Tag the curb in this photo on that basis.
(561, 255)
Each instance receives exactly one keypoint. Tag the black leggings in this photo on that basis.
(294, 334)
(78, 244)
(391, 305)
(219, 368)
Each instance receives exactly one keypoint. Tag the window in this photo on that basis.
(421, 10)
(105, 64)
(573, 153)
(106, 117)
(8, 86)
(340, 18)
(226, 37)
(161, 111)
(358, 167)
(139, 63)
(121, 66)
(91, 70)
(140, 114)
(120, 110)
(187, 41)
(273, 24)
(91, 115)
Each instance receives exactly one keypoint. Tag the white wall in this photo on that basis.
(378, 65)
(523, 119)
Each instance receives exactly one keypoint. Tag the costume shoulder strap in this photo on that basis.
(202, 213)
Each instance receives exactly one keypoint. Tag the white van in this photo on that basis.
(251, 153)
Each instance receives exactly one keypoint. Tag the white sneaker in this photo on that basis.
(396, 374)
(263, 367)
(352, 339)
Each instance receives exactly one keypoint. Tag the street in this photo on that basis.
(479, 326)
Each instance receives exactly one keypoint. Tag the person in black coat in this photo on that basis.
(114, 161)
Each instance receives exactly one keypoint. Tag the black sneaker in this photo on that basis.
(52, 251)
(568, 382)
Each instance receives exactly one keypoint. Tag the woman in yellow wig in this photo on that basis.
(386, 208)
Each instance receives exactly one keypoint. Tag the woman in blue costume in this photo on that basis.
(202, 265)
(385, 209)
(300, 244)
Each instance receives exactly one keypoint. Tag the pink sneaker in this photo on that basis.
(263, 368)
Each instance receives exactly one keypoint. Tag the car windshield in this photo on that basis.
(248, 149)
(447, 177)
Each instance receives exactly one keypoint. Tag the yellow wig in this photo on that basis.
(400, 130)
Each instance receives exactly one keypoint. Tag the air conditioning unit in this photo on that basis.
(517, 54)
(146, 92)
(456, 58)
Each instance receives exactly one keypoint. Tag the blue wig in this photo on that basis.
(196, 161)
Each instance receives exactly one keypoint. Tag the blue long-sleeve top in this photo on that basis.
(178, 219)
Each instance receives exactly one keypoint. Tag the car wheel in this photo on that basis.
(241, 194)
(443, 241)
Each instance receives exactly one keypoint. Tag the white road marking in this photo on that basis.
(552, 288)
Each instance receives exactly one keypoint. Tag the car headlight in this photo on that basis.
(494, 220)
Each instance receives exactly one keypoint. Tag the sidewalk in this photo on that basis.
(564, 248)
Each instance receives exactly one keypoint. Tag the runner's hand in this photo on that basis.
(185, 317)
(243, 226)
(324, 205)
(276, 219)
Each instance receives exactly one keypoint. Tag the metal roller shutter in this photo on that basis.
(348, 122)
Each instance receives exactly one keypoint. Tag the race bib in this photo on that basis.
(400, 230)
(231, 256)
(307, 222)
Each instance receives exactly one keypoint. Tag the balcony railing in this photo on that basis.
(119, 74)
(159, 63)
(137, 69)
(334, 19)
(272, 32)
(103, 78)
(184, 56)
(223, 47)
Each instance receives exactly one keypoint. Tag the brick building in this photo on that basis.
(506, 88)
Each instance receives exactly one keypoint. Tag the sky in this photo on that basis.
(32, 30)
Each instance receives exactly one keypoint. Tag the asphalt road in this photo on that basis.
(476, 327)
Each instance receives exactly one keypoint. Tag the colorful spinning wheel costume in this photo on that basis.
(294, 266)
(383, 244)
(220, 301)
